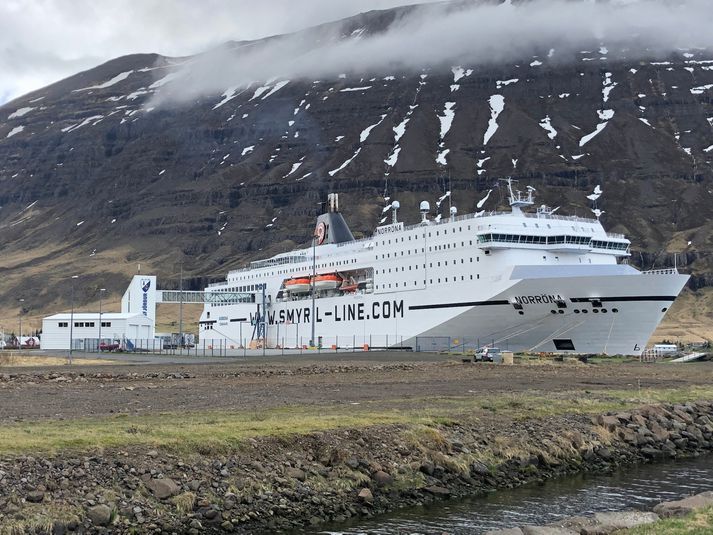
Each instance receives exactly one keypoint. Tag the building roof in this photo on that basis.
(84, 316)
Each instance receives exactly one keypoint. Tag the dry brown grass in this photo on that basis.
(690, 318)
(21, 360)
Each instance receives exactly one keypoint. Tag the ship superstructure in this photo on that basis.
(528, 281)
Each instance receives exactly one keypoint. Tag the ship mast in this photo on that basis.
(517, 198)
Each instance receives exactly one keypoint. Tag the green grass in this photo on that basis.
(216, 431)
(698, 523)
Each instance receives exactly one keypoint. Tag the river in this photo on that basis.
(638, 487)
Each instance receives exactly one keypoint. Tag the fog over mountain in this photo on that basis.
(42, 41)
(442, 34)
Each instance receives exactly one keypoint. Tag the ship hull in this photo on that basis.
(571, 310)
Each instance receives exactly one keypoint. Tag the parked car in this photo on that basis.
(109, 346)
(488, 354)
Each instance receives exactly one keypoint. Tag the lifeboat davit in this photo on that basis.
(298, 285)
(329, 281)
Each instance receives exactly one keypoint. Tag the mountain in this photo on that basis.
(111, 168)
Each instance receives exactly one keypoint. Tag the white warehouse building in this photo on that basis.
(136, 322)
(114, 326)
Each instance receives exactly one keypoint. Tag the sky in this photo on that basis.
(43, 41)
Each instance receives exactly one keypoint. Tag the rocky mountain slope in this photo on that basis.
(100, 173)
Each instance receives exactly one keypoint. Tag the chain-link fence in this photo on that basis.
(289, 345)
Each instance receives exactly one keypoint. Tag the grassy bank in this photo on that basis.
(216, 431)
(698, 523)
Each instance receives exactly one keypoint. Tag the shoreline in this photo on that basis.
(292, 481)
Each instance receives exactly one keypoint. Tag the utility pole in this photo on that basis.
(71, 320)
(314, 275)
(180, 309)
(101, 291)
(19, 340)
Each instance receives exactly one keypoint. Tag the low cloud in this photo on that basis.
(42, 41)
(465, 33)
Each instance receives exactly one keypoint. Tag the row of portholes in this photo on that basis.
(583, 311)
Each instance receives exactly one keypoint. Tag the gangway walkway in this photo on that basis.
(190, 297)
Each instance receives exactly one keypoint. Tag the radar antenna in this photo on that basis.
(517, 198)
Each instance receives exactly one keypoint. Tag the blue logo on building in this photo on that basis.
(145, 285)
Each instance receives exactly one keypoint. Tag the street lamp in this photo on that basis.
(314, 276)
(71, 319)
(19, 340)
(101, 291)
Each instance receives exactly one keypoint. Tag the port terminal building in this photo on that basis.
(136, 321)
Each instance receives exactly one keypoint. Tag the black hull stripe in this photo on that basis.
(574, 300)
(457, 305)
(625, 298)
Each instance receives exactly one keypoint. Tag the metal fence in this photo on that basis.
(287, 346)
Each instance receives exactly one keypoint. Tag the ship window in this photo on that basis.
(462, 278)
(471, 277)
(430, 281)
(439, 264)
(439, 281)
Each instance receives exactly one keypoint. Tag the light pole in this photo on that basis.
(71, 319)
(180, 310)
(314, 276)
(101, 291)
(19, 340)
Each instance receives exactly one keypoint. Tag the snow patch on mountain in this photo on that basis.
(346, 163)
(275, 89)
(546, 124)
(15, 131)
(367, 131)
(502, 83)
(118, 78)
(605, 116)
(94, 119)
(351, 89)
(393, 157)
(701, 89)
(20, 112)
(441, 157)
(608, 85)
(497, 105)
(446, 119)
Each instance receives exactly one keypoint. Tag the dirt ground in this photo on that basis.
(82, 391)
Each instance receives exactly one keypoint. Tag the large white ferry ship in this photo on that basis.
(525, 281)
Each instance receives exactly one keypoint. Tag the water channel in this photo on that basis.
(640, 487)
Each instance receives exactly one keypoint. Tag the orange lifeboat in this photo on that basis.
(328, 281)
(298, 285)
